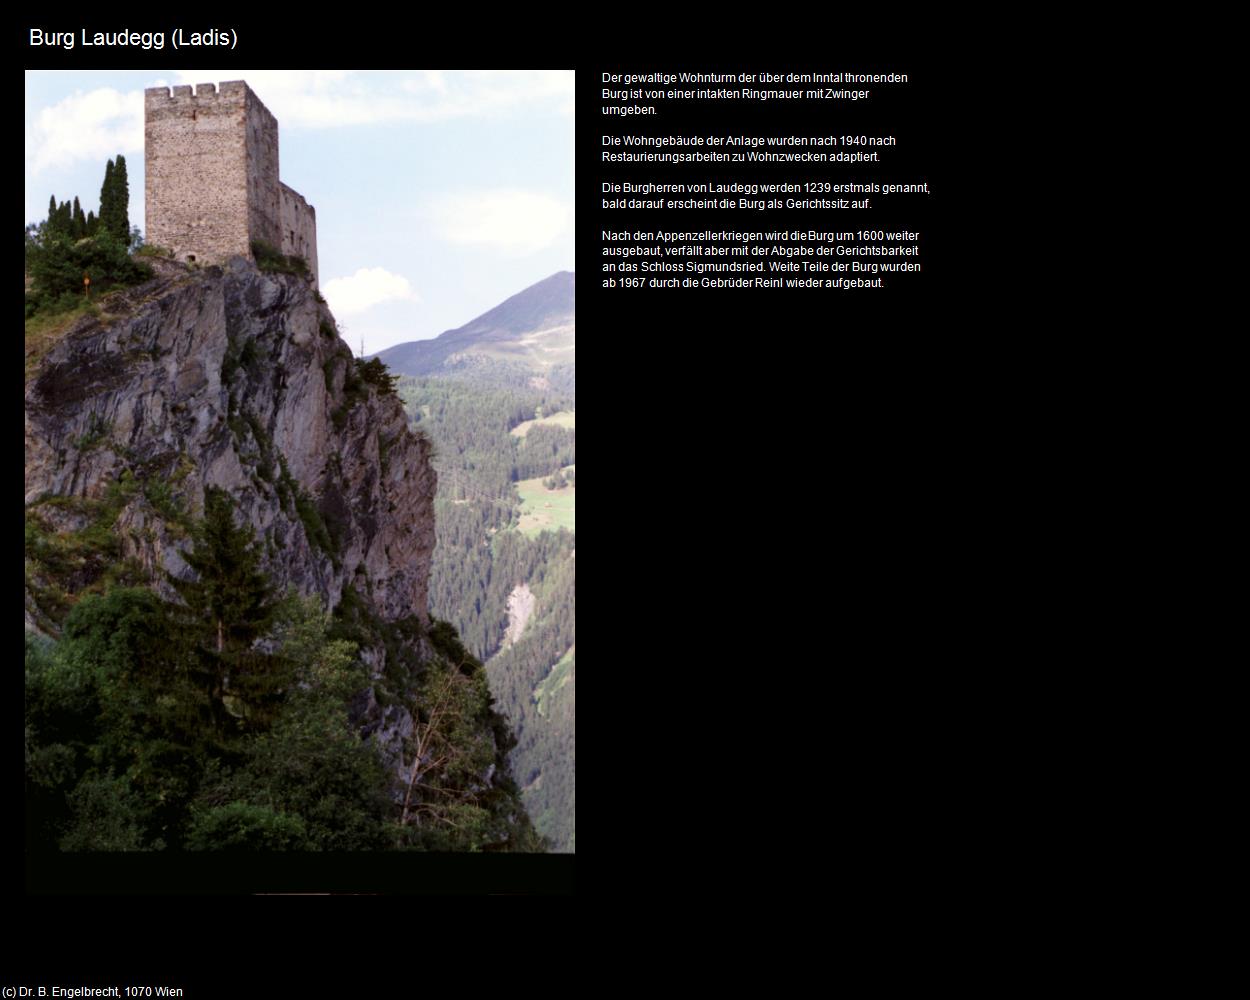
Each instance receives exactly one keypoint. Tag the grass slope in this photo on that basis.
(564, 418)
(543, 509)
(43, 331)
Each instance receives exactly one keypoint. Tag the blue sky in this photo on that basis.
(438, 193)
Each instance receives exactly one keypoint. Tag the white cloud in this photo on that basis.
(368, 287)
(514, 222)
(95, 125)
(325, 99)
(100, 123)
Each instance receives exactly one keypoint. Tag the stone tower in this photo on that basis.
(211, 184)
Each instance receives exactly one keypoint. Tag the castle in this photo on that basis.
(211, 185)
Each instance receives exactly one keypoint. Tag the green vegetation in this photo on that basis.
(163, 493)
(471, 426)
(97, 433)
(357, 377)
(229, 605)
(115, 200)
(294, 497)
(562, 419)
(224, 722)
(44, 331)
(243, 356)
(83, 556)
(354, 390)
(491, 485)
(270, 258)
(544, 508)
(560, 675)
(375, 373)
(243, 827)
(69, 221)
(560, 479)
(72, 544)
(69, 246)
(314, 525)
(133, 743)
(228, 717)
(446, 800)
(57, 266)
(534, 684)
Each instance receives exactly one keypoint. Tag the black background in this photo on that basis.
(783, 458)
(902, 110)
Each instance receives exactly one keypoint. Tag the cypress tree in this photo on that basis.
(107, 199)
(80, 221)
(121, 199)
(51, 223)
(92, 223)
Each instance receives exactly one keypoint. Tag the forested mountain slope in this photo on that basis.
(502, 416)
(201, 446)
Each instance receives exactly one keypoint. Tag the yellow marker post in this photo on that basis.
(86, 285)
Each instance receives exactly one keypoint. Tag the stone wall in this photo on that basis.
(263, 202)
(212, 178)
(195, 183)
(299, 229)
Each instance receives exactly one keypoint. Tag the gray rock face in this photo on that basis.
(233, 378)
(388, 727)
(237, 379)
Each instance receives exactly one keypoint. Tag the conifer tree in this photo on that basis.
(107, 198)
(229, 606)
(231, 592)
(52, 217)
(80, 221)
(121, 199)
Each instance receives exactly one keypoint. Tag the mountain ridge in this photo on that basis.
(533, 328)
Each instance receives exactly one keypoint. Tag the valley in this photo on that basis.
(497, 399)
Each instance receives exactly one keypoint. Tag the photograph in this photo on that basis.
(300, 462)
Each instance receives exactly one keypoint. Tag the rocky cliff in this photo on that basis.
(232, 378)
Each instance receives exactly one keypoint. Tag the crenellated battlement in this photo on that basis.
(234, 90)
(212, 180)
